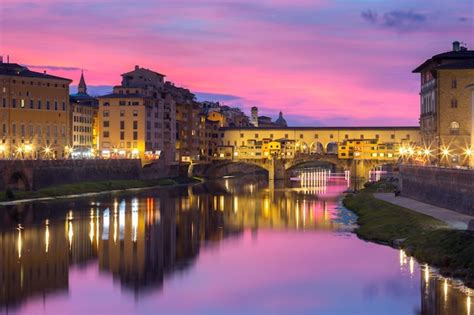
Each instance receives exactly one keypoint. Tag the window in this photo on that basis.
(331, 136)
(346, 136)
(135, 124)
(454, 126)
(256, 136)
(122, 124)
(14, 102)
(241, 135)
(122, 103)
(316, 136)
(32, 105)
(64, 105)
(39, 104)
(55, 105)
(106, 123)
(106, 104)
(22, 103)
(454, 103)
(286, 136)
(362, 136)
(377, 136)
(122, 113)
(135, 113)
(105, 113)
(135, 135)
(271, 135)
(454, 83)
(106, 134)
(301, 136)
(408, 137)
(47, 105)
(392, 136)
(4, 103)
(122, 135)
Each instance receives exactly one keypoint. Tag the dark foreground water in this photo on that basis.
(234, 246)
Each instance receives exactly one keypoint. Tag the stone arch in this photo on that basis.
(19, 181)
(331, 148)
(316, 148)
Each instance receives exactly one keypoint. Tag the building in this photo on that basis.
(281, 122)
(447, 106)
(34, 113)
(314, 140)
(83, 122)
(368, 149)
(138, 119)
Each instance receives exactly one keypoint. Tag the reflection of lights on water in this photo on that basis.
(468, 305)
(427, 274)
(314, 181)
(134, 219)
(412, 265)
(70, 234)
(221, 203)
(402, 257)
(122, 219)
(92, 229)
(115, 228)
(236, 204)
(20, 241)
(105, 224)
(445, 289)
(46, 237)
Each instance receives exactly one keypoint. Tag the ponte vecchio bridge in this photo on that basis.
(277, 149)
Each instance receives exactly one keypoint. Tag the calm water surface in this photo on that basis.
(235, 246)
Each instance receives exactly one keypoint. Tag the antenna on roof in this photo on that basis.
(8, 58)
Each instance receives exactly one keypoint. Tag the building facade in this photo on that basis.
(138, 120)
(34, 114)
(447, 106)
(83, 122)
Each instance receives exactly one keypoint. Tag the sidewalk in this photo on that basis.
(454, 219)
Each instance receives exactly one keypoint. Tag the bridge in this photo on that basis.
(278, 168)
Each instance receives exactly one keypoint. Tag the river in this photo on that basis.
(233, 246)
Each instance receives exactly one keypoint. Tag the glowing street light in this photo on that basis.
(28, 148)
(468, 152)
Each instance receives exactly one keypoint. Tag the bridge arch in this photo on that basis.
(19, 181)
(235, 168)
(331, 148)
(316, 148)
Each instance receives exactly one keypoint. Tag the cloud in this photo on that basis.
(398, 20)
(215, 97)
(370, 16)
(61, 68)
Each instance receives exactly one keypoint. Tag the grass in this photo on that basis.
(427, 239)
(94, 187)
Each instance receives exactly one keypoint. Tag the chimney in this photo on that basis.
(44, 71)
(1, 59)
(456, 46)
(137, 67)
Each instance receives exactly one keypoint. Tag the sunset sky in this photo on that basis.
(321, 62)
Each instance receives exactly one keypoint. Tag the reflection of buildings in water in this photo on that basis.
(439, 295)
(139, 241)
(31, 264)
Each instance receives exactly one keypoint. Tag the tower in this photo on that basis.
(82, 87)
(254, 116)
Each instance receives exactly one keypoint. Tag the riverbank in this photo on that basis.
(427, 239)
(89, 188)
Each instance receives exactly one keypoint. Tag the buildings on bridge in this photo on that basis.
(447, 106)
(34, 113)
(261, 143)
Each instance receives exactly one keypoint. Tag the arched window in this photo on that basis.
(454, 127)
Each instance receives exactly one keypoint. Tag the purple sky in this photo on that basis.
(320, 62)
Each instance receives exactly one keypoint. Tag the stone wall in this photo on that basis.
(34, 174)
(448, 188)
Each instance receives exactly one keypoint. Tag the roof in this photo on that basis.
(468, 64)
(14, 69)
(81, 96)
(414, 128)
(138, 68)
(118, 95)
(461, 55)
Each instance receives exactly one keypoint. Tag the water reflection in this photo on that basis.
(141, 240)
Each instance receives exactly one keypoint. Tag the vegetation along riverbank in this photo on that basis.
(423, 237)
(93, 187)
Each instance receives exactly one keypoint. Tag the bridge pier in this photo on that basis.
(277, 170)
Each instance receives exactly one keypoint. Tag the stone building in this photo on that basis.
(138, 119)
(34, 113)
(83, 121)
(447, 106)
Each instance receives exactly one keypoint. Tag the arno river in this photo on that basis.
(234, 246)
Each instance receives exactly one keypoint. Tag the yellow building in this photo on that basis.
(34, 113)
(368, 149)
(447, 106)
(124, 130)
(311, 140)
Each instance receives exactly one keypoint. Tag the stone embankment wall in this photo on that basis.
(448, 188)
(31, 174)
